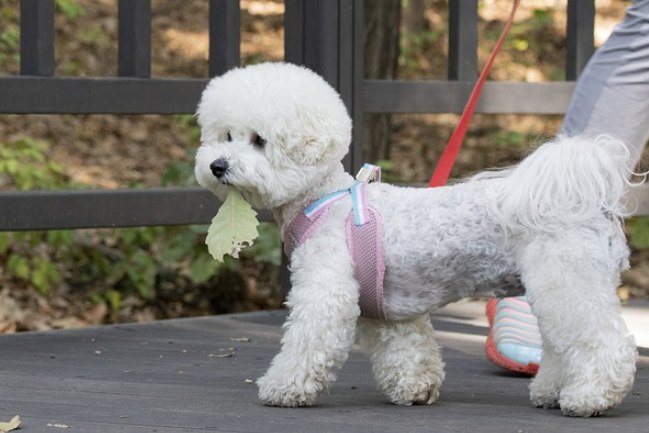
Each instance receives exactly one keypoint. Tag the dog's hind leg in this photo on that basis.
(546, 387)
(571, 281)
(406, 360)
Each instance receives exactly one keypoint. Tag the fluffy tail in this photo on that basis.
(564, 183)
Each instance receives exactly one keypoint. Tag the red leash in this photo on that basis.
(446, 161)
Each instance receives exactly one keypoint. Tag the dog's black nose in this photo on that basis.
(219, 167)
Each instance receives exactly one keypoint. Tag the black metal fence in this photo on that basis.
(325, 35)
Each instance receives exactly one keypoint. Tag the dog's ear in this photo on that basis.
(312, 150)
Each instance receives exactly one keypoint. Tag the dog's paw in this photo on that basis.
(544, 395)
(415, 392)
(586, 402)
(585, 406)
(545, 402)
(286, 393)
(419, 397)
(427, 397)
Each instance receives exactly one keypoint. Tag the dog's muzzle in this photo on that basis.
(219, 167)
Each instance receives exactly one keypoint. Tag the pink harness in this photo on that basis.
(364, 239)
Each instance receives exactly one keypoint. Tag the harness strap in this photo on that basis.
(366, 247)
(364, 238)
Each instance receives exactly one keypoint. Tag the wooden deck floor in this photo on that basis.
(196, 375)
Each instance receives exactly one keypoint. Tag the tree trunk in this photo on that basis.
(382, 21)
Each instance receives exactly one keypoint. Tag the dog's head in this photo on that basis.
(272, 131)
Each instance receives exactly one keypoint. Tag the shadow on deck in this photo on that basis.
(196, 375)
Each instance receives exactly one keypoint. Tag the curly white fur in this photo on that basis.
(565, 182)
(550, 225)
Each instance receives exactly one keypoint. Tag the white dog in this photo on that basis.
(552, 224)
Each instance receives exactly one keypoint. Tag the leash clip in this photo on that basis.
(369, 173)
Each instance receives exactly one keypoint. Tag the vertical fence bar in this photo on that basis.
(463, 40)
(134, 40)
(358, 77)
(225, 36)
(321, 38)
(580, 37)
(327, 36)
(37, 37)
(294, 31)
(350, 74)
(346, 53)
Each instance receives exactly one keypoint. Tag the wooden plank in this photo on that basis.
(450, 97)
(108, 208)
(37, 95)
(120, 391)
(135, 208)
(33, 95)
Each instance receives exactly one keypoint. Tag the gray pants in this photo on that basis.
(612, 93)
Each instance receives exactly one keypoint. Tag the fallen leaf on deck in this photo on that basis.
(241, 339)
(58, 425)
(11, 425)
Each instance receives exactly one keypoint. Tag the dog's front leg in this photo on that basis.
(317, 336)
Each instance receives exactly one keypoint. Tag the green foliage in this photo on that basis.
(44, 274)
(94, 36)
(186, 252)
(112, 265)
(253, 60)
(268, 246)
(71, 67)
(181, 172)
(638, 229)
(23, 164)
(9, 33)
(527, 34)
(70, 8)
(508, 138)
(387, 169)
(9, 40)
(22, 264)
(414, 43)
(542, 20)
(188, 122)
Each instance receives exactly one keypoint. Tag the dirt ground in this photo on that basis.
(108, 151)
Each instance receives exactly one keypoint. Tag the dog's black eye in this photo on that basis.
(258, 141)
(229, 136)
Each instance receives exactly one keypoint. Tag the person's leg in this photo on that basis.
(612, 93)
(611, 97)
